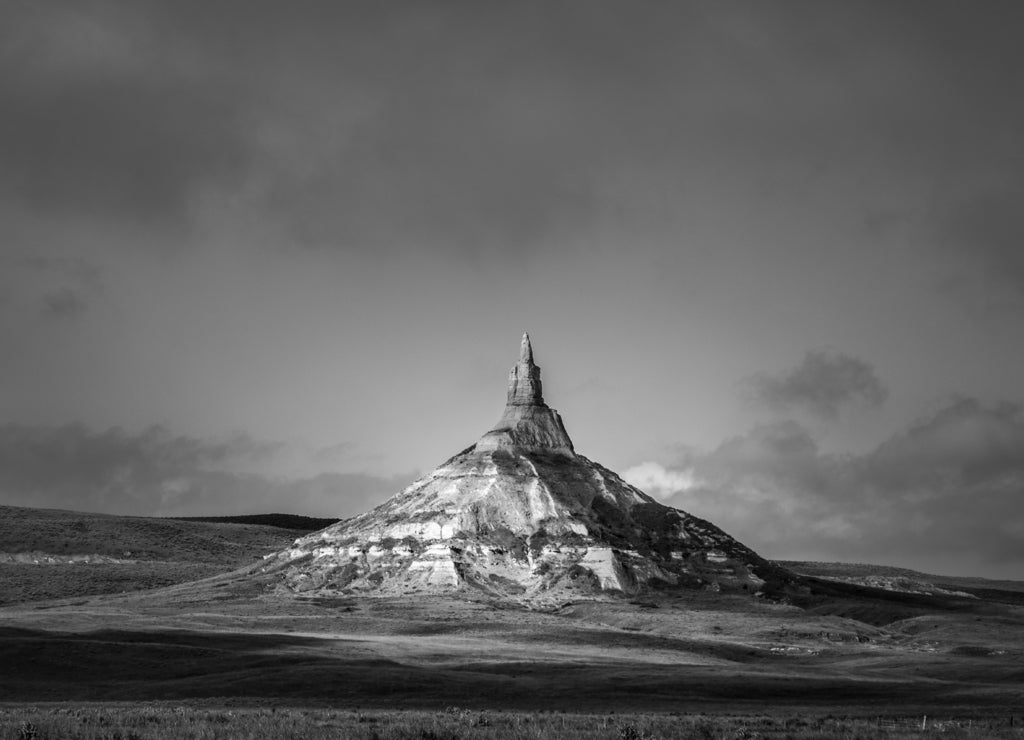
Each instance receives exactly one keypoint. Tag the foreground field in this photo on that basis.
(51, 554)
(237, 641)
(166, 722)
(231, 640)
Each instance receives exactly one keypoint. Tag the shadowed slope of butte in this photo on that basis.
(521, 515)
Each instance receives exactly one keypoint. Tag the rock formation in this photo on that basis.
(520, 515)
(528, 424)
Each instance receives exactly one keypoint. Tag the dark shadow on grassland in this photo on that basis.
(603, 638)
(998, 591)
(116, 665)
(60, 533)
(879, 607)
(281, 521)
(23, 582)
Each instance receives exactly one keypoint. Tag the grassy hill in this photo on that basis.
(51, 554)
(284, 521)
(836, 646)
(47, 553)
(861, 570)
(904, 579)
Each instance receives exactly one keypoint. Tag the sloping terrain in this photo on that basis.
(228, 639)
(517, 575)
(530, 526)
(520, 516)
(234, 638)
(910, 581)
(48, 554)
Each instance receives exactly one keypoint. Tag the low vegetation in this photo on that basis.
(281, 521)
(212, 658)
(65, 533)
(1001, 591)
(161, 722)
(25, 582)
(51, 554)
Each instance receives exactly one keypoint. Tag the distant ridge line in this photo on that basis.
(284, 521)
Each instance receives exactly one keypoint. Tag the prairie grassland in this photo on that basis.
(162, 722)
(48, 554)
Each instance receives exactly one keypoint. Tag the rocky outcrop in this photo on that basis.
(521, 515)
(524, 386)
(527, 424)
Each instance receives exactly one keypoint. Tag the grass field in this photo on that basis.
(228, 639)
(1010, 592)
(152, 639)
(156, 722)
(52, 554)
(221, 542)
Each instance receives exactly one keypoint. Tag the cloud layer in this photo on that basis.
(655, 479)
(979, 231)
(946, 494)
(157, 473)
(307, 220)
(105, 116)
(823, 383)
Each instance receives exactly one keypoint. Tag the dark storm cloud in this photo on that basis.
(156, 472)
(983, 231)
(948, 489)
(972, 221)
(82, 271)
(57, 288)
(465, 127)
(355, 125)
(783, 451)
(63, 303)
(822, 384)
(473, 126)
(338, 495)
(964, 445)
(103, 115)
(334, 452)
(131, 111)
(494, 126)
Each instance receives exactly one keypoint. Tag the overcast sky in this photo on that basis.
(267, 256)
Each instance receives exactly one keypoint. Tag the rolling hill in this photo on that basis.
(50, 554)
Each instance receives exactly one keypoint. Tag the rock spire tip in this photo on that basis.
(526, 349)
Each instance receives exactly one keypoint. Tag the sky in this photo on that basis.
(262, 256)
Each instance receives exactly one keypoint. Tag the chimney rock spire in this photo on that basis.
(528, 425)
(524, 387)
(526, 349)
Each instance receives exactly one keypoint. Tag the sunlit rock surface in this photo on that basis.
(520, 515)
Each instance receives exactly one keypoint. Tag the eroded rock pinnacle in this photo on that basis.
(520, 516)
(524, 386)
(528, 424)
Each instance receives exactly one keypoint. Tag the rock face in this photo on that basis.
(528, 424)
(520, 515)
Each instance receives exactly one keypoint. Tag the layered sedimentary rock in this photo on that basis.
(528, 424)
(519, 514)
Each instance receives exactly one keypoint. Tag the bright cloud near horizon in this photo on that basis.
(258, 256)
